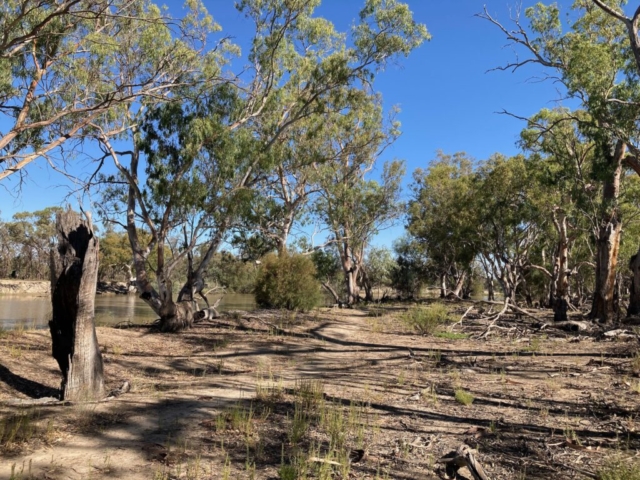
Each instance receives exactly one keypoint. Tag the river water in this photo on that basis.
(34, 312)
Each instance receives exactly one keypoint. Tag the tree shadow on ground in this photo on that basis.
(25, 386)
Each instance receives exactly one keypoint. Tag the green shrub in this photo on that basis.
(287, 281)
(427, 319)
(463, 397)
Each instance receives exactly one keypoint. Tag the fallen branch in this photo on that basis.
(464, 457)
(524, 312)
(515, 308)
(571, 326)
(495, 319)
(208, 313)
(461, 318)
(620, 333)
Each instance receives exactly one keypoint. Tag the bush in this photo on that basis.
(427, 319)
(287, 281)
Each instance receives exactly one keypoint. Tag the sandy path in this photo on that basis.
(127, 437)
(531, 393)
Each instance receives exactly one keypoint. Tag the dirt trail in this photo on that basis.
(543, 405)
(125, 438)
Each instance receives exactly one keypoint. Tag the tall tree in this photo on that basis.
(592, 63)
(505, 206)
(441, 220)
(563, 162)
(205, 155)
(355, 209)
(628, 130)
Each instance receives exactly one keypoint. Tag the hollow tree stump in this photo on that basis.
(74, 274)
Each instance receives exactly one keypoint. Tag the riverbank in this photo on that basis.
(276, 395)
(39, 288)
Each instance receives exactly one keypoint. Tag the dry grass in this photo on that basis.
(233, 400)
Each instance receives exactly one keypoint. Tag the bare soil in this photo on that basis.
(222, 400)
(25, 287)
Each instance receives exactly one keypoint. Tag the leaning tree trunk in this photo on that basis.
(457, 290)
(327, 286)
(74, 274)
(608, 235)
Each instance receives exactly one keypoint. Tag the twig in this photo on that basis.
(495, 319)
(461, 318)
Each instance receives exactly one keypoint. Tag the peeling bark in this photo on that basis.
(74, 274)
(608, 243)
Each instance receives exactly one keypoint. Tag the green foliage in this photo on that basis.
(232, 273)
(25, 242)
(427, 319)
(441, 217)
(287, 281)
(410, 273)
(327, 263)
(88, 69)
(463, 397)
(115, 255)
(619, 468)
(379, 264)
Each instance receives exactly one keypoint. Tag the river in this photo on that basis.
(17, 311)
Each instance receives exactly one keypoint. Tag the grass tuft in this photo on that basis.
(16, 429)
(463, 397)
(619, 468)
(451, 335)
(427, 319)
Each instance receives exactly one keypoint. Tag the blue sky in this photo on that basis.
(447, 99)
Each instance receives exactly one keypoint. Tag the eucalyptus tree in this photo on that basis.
(206, 155)
(69, 66)
(508, 220)
(352, 207)
(26, 240)
(630, 133)
(591, 60)
(563, 162)
(412, 270)
(440, 218)
(379, 265)
(281, 199)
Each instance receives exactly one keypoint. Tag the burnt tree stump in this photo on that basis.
(74, 274)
